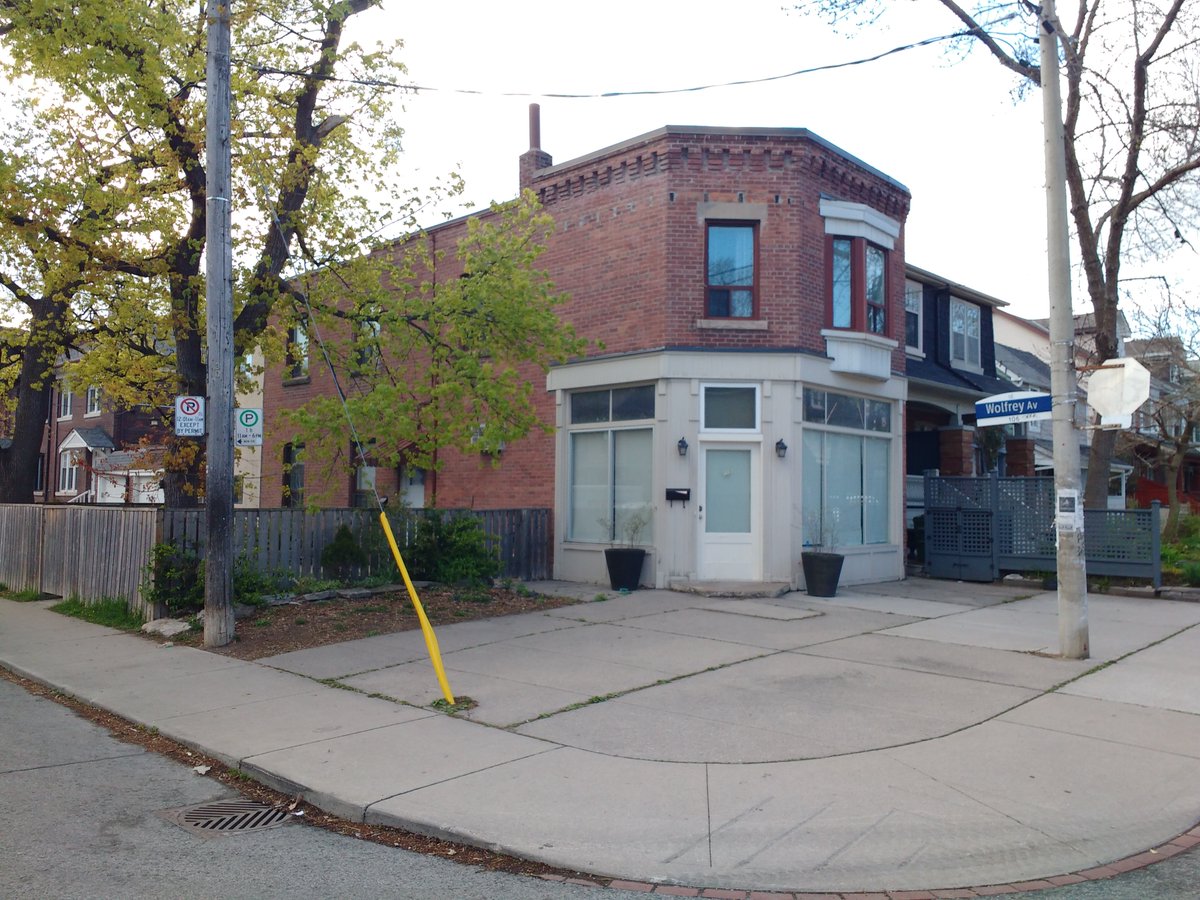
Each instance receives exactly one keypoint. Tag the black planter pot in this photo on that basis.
(821, 572)
(624, 567)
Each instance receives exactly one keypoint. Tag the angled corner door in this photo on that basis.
(730, 512)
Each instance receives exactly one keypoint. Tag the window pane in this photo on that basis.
(731, 254)
(727, 490)
(741, 304)
(912, 329)
(814, 406)
(876, 290)
(841, 298)
(879, 416)
(590, 514)
(875, 491)
(718, 302)
(631, 485)
(811, 496)
(730, 407)
(633, 403)
(845, 411)
(589, 406)
(843, 489)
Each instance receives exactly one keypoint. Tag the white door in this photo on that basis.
(729, 513)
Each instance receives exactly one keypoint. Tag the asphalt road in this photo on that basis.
(82, 818)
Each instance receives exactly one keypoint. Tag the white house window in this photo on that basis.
(610, 468)
(914, 302)
(65, 400)
(847, 453)
(68, 473)
(964, 333)
(93, 401)
(730, 407)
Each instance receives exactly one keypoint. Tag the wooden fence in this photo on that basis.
(91, 552)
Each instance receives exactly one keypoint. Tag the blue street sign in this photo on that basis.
(1019, 406)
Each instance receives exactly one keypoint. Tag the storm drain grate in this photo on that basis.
(219, 817)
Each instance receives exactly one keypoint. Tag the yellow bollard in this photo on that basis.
(435, 655)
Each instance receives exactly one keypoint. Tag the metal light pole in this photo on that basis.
(1072, 580)
(218, 504)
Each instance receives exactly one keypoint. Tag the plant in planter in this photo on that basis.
(625, 560)
(820, 561)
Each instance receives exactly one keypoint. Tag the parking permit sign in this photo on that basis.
(248, 428)
(189, 416)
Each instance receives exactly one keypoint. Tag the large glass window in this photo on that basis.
(846, 475)
(858, 295)
(964, 332)
(730, 266)
(611, 468)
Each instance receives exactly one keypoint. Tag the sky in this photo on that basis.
(948, 128)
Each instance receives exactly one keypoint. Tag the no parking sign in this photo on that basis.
(189, 416)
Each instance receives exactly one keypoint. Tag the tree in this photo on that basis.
(102, 215)
(1131, 132)
(432, 353)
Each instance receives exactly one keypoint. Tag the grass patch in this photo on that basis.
(28, 595)
(111, 611)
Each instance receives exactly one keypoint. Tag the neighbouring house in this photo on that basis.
(1023, 357)
(951, 364)
(748, 285)
(94, 453)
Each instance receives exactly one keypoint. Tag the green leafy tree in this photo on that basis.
(1132, 136)
(437, 363)
(102, 188)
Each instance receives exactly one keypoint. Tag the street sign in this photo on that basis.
(248, 428)
(1018, 406)
(189, 416)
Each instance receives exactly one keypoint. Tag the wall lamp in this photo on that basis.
(780, 448)
(682, 445)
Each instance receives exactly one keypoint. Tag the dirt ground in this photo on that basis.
(270, 630)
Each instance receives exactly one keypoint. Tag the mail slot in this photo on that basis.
(684, 494)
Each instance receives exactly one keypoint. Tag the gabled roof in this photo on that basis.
(1032, 370)
(87, 439)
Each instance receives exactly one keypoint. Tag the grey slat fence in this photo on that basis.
(91, 552)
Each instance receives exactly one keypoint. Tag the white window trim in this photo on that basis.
(65, 398)
(918, 348)
(72, 466)
(756, 430)
(93, 394)
(964, 364)
(845, 219)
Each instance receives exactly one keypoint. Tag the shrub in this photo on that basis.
(451, 550)
(342, 555)
(176, 579)
(1191, 573)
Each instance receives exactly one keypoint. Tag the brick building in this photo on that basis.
(748, 287)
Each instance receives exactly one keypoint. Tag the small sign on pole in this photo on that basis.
(189, 416)
(1018, 406)
(248, 428)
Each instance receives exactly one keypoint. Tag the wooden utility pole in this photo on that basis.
(1072, 579)
(218, 506)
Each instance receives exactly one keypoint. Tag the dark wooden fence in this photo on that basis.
(92, 552)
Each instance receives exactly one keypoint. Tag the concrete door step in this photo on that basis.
(731, 588)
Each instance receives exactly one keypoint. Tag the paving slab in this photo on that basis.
(570, 808)
(1164, 676)
(969, 593)
(906, 606)
(248, 729)
(732, 626)
(1118, 723)
(785, 706)
(627, 606)
(348, 774)
(956, 660)
(781, 609)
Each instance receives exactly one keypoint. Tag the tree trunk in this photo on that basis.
(18, 462)
(1174, 467)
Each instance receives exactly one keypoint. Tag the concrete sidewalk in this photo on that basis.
(910, 736)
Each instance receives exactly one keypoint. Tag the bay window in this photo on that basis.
(857, 285)
(610, 467)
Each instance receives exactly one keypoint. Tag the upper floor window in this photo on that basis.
(297, 351)
(93, 400)
(65, 400)
(857, 285)
(914, 304)
(964, 333)
(730, 253)
(366, 344)
(293, 475)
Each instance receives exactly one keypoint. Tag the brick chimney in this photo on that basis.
(535, 157)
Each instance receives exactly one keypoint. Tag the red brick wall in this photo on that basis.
(1018, 458)
(957, 451)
